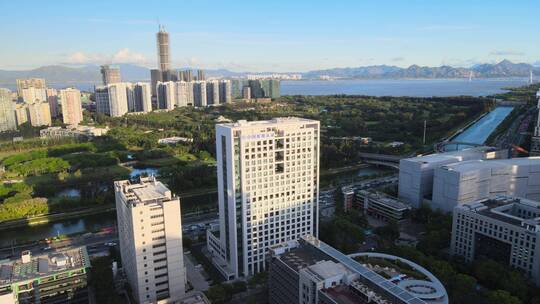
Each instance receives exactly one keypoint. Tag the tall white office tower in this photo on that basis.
(535, 141)
(7, 111)
(184, 93)
(268, 185)
(150, 237)
(225, 93)
(212, 92)
(120, 98)
(71, 106)
(199, 93)
(142, 96)
(166, 95)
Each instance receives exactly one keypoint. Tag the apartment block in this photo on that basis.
(535, 140)
(268, 184)
(505, 229)
(7, 111)
(39, 114)
(469, 181)
(71, 106)
(150, 237)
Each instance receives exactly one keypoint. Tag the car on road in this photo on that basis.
(110, 244)
(48, 248)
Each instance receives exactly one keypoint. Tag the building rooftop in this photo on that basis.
(492, 164)
(270, 122)
(31, 267)
(446, 156)
(148, 189)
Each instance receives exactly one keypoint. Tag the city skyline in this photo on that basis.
(346, 34)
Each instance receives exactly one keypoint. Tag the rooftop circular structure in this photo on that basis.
(430, 290)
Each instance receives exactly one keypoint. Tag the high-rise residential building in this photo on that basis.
(7, 111)
(32, 94)
(21, 113)
(271, 88)
(150, 237)
(39, 114)
(199, 93)
(200, 75)
(308, 271)
(535, 141)
(59, 276)
(142, 96)
(465, 182)
(416, 173)
(71, 106)
(163, 49)
(155, 77)
(225, 93)
(268, 184)
(246, 93)
(52, 99)
(102, 100)
(120, 97)
(110, 74)
(166, 95)
(504, 229)
(212, 92)
(38, 83)
(185, 75)
(237, 86)
(184, 94)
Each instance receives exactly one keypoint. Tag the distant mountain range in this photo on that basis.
(130, 72)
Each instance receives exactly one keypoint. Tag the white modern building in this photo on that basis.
(71, 106)
(142, 97)
(150, 236)
(39, 113)
(268, 184)
(416, 173)
(469, 181)
(120, 96)
(199, 94)
(7, 111)
(505, 229)
(184, 94)
(535, 141)
(33, 94)
(166, 94)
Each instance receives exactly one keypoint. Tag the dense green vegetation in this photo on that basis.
(101, 279)
(524, 93)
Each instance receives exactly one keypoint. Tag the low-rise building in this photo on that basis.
(348, 198)
(73, 131)
(469, 181)
(308, 271)
(382, 206)
(174, 140)
(55, 277)
(504, 229)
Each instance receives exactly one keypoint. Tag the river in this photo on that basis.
(92, 223)
(479, 132)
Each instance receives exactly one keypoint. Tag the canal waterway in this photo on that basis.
(479, 132)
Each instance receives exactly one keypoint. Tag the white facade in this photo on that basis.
(120, 96)
(199, 94)
(32, 94)
(142, 97)
(416, 173)
(166, 94)
(184, 94)
(71, 106)
(150, 236)
(268, 184)
(504, 229)
(466, 182)
(39, 114)
(7, 111)
(225, 91)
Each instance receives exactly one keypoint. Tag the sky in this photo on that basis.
(271, 35)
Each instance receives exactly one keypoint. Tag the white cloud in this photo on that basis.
(124, 55)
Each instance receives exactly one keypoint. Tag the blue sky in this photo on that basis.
(271, 35)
